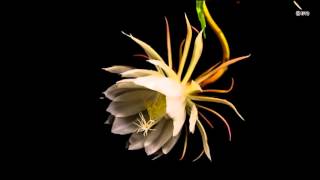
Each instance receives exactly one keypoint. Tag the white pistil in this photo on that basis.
(143, 125)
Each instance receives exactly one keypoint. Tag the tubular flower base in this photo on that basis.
(153, 105)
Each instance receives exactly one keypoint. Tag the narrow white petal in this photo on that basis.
(117, 69)
(193, 117)
(124, 109)
(124, 125)
(110, 119)
(186, 47)
(170, 73)
(146, 47)
(128, 84)
(204, 139)
(197, 50)
(170, 144)
(136, 141)
(163, 138)
(139, 73)
(176, 110)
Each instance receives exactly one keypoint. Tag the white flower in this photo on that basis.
(152, 105)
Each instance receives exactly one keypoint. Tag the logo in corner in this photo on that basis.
(300, 11)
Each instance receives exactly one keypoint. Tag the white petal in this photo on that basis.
(117, 69)
(146, 47)
(153, 135)
(109, 120)
(139, 73)
(197, 50)
(135, 95)
(175, 97)
(164, 136)
(127, 84)
(124, 125)
(124, 109)
(176, 110)
(193, 117)
(186, 47)
(163, 85)
(170, 144)
(120, 88)
(204, 139)
(136, 141)
(109, 93)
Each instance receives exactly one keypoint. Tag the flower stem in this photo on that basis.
(223, 41)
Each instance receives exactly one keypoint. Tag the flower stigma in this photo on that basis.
(143, 125)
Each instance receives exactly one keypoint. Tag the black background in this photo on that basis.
(273, 90)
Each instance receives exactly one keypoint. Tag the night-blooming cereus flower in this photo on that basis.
(152, 105)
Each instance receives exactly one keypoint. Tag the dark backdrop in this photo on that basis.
(273, 90)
